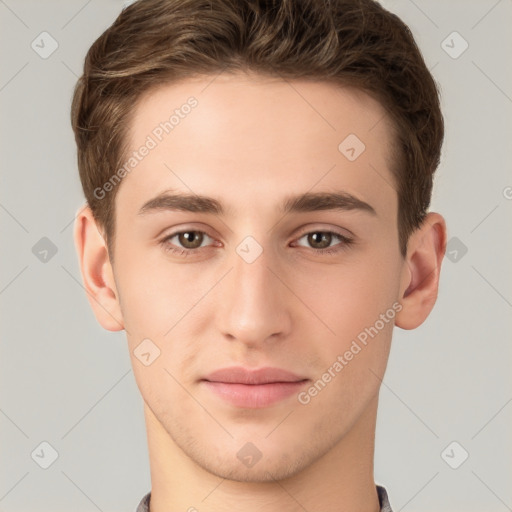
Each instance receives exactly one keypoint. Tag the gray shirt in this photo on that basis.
(383, 501)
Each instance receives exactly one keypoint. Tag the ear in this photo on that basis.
(97, 274)
(421, 269)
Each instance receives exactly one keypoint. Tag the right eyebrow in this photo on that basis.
(182, 202)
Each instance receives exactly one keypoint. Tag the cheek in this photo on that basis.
(157, 310)
(350, 369)
(348, 297)
(162, 305)
(155, 297)
(358, 304)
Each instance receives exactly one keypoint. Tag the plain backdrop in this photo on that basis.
(67, 382)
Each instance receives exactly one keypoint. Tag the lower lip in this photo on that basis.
(254, 396)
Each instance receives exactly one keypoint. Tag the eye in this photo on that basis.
(321, 241)
(185, 242)
(188, 242)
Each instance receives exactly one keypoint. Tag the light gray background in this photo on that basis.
(66, 381)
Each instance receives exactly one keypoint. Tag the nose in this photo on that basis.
(253, 306)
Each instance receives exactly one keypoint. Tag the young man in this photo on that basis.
(257, 176)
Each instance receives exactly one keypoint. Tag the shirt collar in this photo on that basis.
(381, 492)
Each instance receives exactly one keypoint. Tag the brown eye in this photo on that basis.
(320, 239)
(321, 242)
(185, 243)
(190, 239)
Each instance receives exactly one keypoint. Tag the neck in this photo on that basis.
(339, 481)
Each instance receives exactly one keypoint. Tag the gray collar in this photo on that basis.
(381, 491)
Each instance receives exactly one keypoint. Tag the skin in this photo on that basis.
(249, 143)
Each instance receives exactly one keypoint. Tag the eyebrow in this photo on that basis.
(307, 202)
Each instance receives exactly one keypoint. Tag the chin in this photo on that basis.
(266, 469)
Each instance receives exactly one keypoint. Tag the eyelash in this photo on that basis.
(346, 242)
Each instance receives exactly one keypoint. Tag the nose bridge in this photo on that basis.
(253, 306)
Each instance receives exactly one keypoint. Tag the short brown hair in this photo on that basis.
(353, 43)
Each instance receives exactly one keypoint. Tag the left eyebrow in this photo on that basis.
(307, 202)
(310, 202)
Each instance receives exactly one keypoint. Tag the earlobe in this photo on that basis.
(421, 272)
(96, 271)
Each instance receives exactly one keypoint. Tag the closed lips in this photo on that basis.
(266, 375)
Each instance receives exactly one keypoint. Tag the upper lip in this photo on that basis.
(240, 375)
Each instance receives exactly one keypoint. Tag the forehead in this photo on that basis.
(249, 139)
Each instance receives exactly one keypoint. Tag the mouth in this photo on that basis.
(253, 389)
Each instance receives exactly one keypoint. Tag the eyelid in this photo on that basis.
(180, 228)
(344, 241)
(302, 231)
(314, 228)
(166, 238)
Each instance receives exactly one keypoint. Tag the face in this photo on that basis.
(240, 280)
